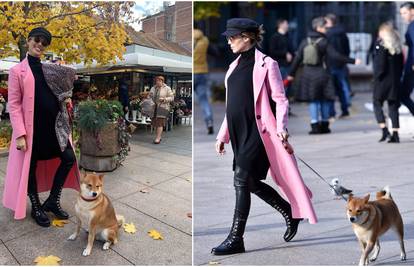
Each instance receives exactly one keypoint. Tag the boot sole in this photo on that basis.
(41, 224)
(227, 253)
(58, 217)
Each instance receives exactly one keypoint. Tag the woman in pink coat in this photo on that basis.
(256, 127)
(41, 156)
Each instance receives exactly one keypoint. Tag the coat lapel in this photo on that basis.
(259, 74)
(28, 79)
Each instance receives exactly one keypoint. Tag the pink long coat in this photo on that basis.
(283, 167)
(21, 108)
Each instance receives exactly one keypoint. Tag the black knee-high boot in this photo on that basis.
(271, 197)
(52, 203)
(37, 212)
(234, 242)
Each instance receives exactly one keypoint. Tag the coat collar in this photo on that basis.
(24, 64)
(259, 72)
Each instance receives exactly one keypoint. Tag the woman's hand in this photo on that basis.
(290, 78)
(220, 148)
(21, 143)
(283, 136)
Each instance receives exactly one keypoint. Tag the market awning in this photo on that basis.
(7, 64)
(143, 61)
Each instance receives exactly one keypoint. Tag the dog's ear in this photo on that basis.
(366, 198)
(101, 177)
(350, 197)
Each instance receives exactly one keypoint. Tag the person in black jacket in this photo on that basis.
(388, 68)
(339, 40)
(280, 47)
(407, 15)
(316, 86)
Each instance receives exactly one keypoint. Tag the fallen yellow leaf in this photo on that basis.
(49, 260)
(155, 234)
(59, 223)
(129, 228)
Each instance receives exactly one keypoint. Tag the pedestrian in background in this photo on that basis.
(316, 86)
(388, 68)
(338, 39)
(282, 51)
(162, 96)
(280, 47)
(407, 14)
(200, 71)
(123, 96)
(257, 132)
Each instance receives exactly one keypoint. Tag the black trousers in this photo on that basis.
(392, 112)
(406, 90)
(245, 184)
(67, 158)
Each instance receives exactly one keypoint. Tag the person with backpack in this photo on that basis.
(316, 85)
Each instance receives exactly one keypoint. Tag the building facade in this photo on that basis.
(173, 24)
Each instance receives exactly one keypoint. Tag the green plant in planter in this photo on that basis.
(93, 115)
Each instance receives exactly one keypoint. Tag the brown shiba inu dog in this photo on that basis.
(95, 211)
(371, 219)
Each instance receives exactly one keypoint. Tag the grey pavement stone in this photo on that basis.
(52, 241)
(142, 174)
(166, 207)
(141, 249)
(351, 153)
(5, 257)
(177, 187)
(187, 175)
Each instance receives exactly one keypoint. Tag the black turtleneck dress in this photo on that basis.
(46, 108)
(248, 148)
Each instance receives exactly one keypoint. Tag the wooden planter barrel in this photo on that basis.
(104, 157)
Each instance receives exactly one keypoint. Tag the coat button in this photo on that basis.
(258, 117)
(264, 131)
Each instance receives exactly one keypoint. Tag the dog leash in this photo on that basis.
(320, 176)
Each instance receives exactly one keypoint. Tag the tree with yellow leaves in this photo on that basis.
(82, 31)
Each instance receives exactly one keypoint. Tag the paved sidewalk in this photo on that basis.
(351, 153)
(163, 170)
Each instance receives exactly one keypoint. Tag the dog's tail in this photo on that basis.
(120, 219)
(384, 193)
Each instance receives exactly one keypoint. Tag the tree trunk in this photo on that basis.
(22, 48)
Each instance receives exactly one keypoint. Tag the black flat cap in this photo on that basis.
(40, 31)
(236, 26)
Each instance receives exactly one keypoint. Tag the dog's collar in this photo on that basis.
(366, 220)
(88, 200)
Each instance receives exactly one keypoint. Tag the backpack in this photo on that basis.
(310, 52)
